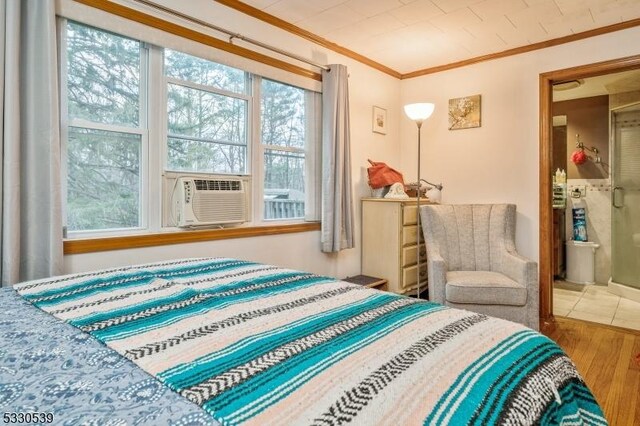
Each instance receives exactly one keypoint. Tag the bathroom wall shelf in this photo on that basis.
(559, 195)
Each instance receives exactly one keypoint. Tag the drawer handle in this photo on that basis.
(423, 252)
(423, 272)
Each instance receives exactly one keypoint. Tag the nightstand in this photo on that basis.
(367, 281)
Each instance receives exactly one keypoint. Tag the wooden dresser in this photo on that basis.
(389, 243)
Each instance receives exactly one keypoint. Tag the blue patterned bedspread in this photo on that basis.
(49, 366)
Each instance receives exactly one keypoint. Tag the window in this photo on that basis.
(105, 130)
(284, 138)
(207, 111)
(133, 112)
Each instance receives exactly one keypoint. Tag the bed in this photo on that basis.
(226, 341)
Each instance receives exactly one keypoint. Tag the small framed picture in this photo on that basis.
(464, 113)
(379, 120)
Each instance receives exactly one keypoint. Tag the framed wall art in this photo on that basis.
(379, 120)
(464, 113)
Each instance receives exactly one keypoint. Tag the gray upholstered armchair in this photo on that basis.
(473, 263)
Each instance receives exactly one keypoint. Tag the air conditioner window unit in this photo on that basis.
(202, 201)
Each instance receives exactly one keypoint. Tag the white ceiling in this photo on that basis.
(408, 35)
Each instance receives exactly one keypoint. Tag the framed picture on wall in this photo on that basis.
(379, 120)
(464, 113)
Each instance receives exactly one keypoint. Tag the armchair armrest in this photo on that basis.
(520, 269)
(437, 273)
(525, 272)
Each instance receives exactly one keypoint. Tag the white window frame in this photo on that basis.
(157, 133)
(257, 169)
(309, 152)
(153, 132)
(313, 169)
(141, 130)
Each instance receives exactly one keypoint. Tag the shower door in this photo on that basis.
(625, 198)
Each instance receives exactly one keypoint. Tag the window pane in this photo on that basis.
(200, 71)
(206, 115)
(205, 157)
(213, 130)
(103, 76)
(282, 115)
(284, 176)
(103, 181)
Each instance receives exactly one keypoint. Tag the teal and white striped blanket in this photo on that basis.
(257, 344)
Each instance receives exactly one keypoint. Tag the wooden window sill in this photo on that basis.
(91, 245)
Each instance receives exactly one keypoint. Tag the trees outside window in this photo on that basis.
(104, 137)
(283, 131)
(207, 111)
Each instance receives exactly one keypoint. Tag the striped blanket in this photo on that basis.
(257, 344)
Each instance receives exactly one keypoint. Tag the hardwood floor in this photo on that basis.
(608, 358)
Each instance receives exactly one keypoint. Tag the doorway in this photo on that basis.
(547, 270)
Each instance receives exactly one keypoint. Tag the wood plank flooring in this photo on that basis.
(608, 358)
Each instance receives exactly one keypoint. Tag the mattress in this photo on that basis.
(248, 343)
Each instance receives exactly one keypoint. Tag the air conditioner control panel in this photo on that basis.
(188, 191)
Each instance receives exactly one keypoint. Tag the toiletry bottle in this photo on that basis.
(579, 213)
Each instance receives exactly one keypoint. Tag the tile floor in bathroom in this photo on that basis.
(594, 303)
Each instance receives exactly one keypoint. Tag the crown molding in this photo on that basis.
(528, 48)
(284, 25)
(289, 27)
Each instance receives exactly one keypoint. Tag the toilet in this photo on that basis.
(581, 263)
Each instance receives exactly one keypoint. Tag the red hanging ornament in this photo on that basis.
(578, 157)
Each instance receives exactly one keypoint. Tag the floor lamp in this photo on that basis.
(418, 113)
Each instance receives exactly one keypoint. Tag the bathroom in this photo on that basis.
(596, 217)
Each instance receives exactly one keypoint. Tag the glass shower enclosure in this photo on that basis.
(625, 197)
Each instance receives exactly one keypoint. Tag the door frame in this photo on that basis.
(547, 321)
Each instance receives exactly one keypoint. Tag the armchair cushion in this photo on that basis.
(484, 288)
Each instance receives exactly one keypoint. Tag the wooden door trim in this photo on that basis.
(547, 321)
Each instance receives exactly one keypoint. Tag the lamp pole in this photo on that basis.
(419, 228)
(418, 112)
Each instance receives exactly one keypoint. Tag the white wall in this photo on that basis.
(368, 87)
(497, 162)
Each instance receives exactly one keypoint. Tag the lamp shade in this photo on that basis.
(419, 112)
(434, 194)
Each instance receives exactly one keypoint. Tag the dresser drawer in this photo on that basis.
(410, 215)
(409, 235)
(409, 278)
(409, 255)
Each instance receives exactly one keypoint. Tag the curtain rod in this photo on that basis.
(231, 34)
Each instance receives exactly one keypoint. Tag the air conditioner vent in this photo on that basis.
(217, 185)
(210, 201)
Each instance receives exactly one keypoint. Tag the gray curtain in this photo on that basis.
(337, 203)
(31, 220)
